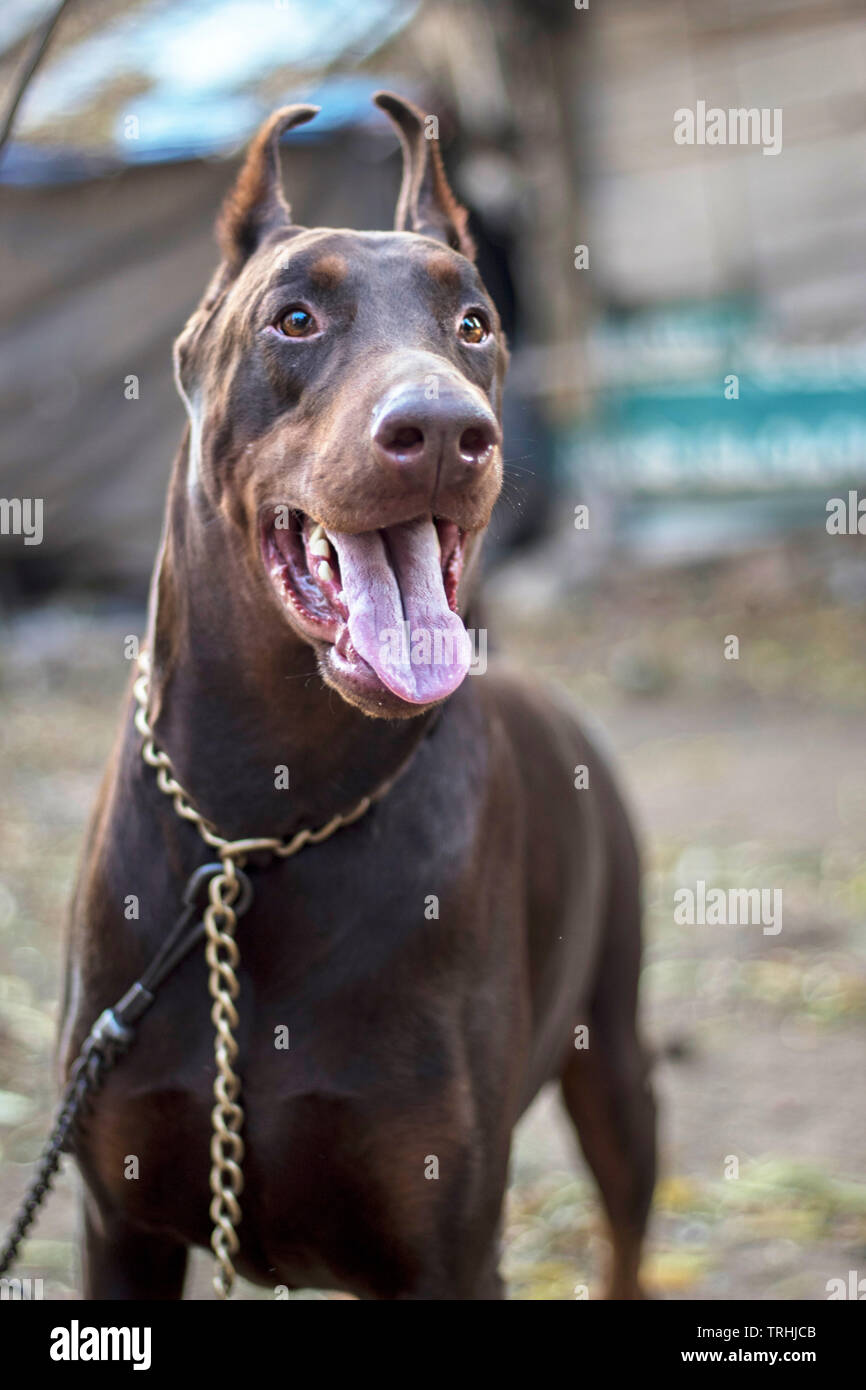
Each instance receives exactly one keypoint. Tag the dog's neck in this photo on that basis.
(236, 698)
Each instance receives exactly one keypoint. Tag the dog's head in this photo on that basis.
(343, 390)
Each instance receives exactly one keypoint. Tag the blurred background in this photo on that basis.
(694, 376)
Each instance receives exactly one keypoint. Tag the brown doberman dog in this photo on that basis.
(477, 933)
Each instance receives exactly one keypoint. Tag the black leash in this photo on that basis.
(110, 1038)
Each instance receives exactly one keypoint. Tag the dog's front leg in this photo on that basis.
(124, 1262)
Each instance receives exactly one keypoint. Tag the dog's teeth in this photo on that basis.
(316, 534)
(321, 547)
(325, 573)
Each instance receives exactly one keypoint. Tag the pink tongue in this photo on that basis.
(399, 619)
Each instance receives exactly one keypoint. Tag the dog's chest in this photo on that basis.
(361, 1109)
(377, 1021)
(352, 1131)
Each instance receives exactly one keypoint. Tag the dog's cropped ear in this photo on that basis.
(256, 204)
(426, 203)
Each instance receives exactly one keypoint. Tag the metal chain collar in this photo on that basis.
(223, 957)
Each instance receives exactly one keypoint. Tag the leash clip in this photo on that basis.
(203, 875)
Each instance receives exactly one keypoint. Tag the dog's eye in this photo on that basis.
(297, 322)
(472, 328)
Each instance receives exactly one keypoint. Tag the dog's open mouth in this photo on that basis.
(385, 600)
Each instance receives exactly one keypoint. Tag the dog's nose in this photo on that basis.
(448, 431)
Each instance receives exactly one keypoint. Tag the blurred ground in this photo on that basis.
(742, 773)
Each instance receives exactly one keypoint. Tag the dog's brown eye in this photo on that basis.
(297, 323)
(472, 328)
